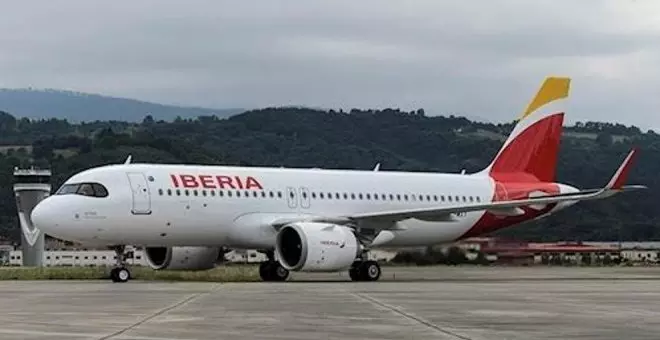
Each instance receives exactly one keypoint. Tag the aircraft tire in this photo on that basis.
(120, 275)
(370, 271)
(272, 271)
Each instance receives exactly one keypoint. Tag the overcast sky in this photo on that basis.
(480, 58)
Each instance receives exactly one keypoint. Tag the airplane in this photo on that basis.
(316, 220)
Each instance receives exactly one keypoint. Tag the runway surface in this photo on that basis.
(410, 303)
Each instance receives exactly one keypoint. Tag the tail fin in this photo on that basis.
(530, 153)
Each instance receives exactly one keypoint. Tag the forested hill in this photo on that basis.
(79, 107)
(295, 137)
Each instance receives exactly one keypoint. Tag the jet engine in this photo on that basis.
(316, 247)
(182, 258)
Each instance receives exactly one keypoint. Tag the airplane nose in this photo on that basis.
(42, 215)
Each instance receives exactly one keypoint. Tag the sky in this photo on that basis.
(481, 58)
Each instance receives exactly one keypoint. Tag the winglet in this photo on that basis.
(621, 174)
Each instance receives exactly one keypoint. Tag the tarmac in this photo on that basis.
(408, 303)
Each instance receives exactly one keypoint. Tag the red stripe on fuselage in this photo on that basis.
(510, 191)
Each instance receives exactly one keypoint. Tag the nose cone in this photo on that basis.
(43, 216)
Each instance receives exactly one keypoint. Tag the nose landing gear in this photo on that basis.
(120, 273)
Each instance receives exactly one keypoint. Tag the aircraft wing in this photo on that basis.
(614, 186)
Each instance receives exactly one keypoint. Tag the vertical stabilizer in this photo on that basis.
(530, 153)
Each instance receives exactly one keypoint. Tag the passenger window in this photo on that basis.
(169, 192)
(263, 194)
(212, 192)
(279, 194)
(435, 198)
(160, 192)
(321, 195)
(203, 192)
(270, 193)
(195, 192)
(254, 194)
(178, 192)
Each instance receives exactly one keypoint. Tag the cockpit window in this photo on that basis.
(85, 189)
(67, 189)
(99, 190)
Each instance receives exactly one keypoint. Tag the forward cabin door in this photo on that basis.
(140, 192)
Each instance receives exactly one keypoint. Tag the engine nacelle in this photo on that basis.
(316, 247)
(182, 258)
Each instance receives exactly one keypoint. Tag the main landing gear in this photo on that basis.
(120, 273)
(364, 271)
(272, 270)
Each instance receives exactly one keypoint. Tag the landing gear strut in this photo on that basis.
(120, 273)
(364, 270)
(272, 270)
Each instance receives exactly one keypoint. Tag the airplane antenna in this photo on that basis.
(377, 167)
(128, 159)
(463, 172)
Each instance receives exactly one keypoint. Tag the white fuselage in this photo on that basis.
(160, 205)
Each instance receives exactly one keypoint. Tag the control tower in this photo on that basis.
(30, 187)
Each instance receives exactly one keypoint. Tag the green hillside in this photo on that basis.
(295, 137)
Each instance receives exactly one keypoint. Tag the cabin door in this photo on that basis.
(304, 197)
(291, 197)
(140, 193)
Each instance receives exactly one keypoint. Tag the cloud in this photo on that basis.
(477, 58)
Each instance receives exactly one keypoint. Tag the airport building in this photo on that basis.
(527, 253)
